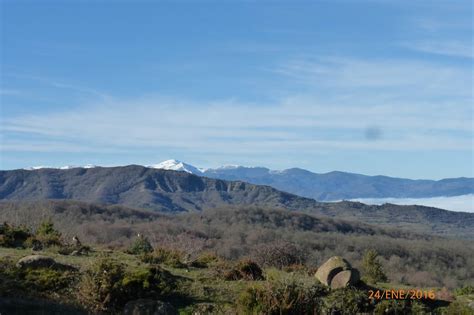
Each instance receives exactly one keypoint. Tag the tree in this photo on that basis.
(47, 234)
(372, 267)
(140, 246)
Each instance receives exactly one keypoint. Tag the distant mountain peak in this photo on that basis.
(65, 167)
(176, 165)
(227, 167)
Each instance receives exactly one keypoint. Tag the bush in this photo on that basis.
(168, 257)
(468, 289)
(46, 279)
(373, 271)
(346, 301)
(11, 236)
(48, 235)
(457, 308)
(140, 246)
(205, 260)
(100, 288)
(279, 255)
(148, 282)
(392, 307)
(107, 286)
(28, 281)
(286, 296)
(244, 270)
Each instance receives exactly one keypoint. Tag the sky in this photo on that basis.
(371, 87)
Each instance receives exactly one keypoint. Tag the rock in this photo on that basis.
(345, 278)
(148, 307)
(330, 268)
(336, 272)
(35, 261)
(39, 261)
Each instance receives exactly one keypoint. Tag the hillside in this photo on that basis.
(342, 185)
(330, 186)
(172, 191)
(141, 187)
(236, 233)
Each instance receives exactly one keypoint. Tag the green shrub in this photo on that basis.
(346, 301)
(286, 296)
(100, 288)
(13, 236)
(468, 289)
(373, 271)
(168, 257)
(205, 260)
(48, 235)
(392, 307)
(10, 277)
(46, 279)
(28, 281)
(140, 246)
(457, 308)
(244, 270)
(149, 282)
(107, 286)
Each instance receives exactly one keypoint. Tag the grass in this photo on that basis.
(199, 287)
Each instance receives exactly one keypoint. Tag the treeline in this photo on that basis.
(270, 237)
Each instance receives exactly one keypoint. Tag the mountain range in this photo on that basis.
(330, 186)
(176, 191)
(333, 185)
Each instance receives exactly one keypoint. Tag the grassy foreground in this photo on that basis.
(208, 285)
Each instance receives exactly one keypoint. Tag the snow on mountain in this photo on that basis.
(66, 167)
(32, 168)
(226, 167)
(175, 165)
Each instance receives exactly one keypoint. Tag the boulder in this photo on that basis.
(330, 268)
(345, 278)
(337, 273)
(39, 261)
(148, 307)
(35, 261)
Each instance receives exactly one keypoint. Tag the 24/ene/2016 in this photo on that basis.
(402, 294)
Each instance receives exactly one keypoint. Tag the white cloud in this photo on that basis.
(464, 203)
(448, 48)
(293, 124)
(404, 79)
(389, 95)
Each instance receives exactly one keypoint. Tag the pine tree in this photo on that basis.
(372, 267)
(140, 246)
(47, 234)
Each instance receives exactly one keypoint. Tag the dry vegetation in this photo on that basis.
(272, 238)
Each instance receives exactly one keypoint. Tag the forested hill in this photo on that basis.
(171, 191)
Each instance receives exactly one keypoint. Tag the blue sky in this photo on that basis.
(373, 87)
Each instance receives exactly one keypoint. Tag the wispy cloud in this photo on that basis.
(463, 49)
(60, 84)
(234, 128)
(414, 106)
(409, 78)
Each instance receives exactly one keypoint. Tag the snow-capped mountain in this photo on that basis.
(175, 165)
(330, 186)
(66, 167)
